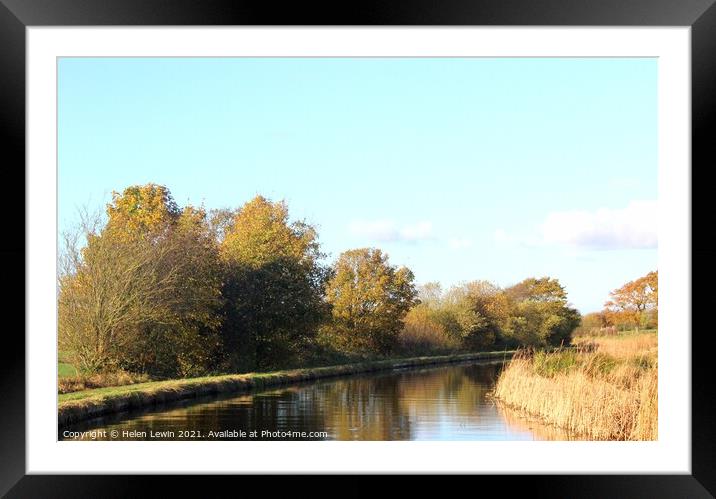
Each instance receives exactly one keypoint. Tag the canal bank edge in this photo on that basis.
(98, 402)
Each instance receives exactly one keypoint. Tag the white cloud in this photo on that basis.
(627, 228)
(388, 230)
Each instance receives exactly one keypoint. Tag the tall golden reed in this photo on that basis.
(605, 392)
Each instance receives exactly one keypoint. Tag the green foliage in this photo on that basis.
(470, 314)
(540, 315)
(273, 286)
(369, 300)
(478, 314)
(600, 364)
(549, 364)
(644, 362)
(424, 331)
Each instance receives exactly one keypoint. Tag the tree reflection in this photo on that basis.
(447, 402)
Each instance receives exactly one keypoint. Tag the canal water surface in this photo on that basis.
(448, 402)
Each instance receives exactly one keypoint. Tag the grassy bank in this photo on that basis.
(605, 390)
(64, 368)
(86, 404)
(70, 379)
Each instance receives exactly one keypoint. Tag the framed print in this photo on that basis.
(426, 240)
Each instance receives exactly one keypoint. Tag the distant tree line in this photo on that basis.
(478, 315)
(178, 291)
(633, 306)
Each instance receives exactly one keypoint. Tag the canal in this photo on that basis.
(447, 402)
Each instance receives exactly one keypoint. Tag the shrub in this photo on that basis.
(423, 332)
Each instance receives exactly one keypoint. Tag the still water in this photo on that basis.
(448, 402)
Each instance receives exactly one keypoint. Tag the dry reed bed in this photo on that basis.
(605, 392)
(621, 347)
(87, 404)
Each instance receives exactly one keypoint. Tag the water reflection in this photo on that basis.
(517, 421)
(437, 403)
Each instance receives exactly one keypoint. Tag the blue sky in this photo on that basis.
(460, 168)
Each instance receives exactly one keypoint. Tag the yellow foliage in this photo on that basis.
(261, 233)
(141, 209)
(423, 331)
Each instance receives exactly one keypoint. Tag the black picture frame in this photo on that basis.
(700, 15)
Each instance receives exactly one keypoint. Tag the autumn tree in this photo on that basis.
(274, 285)
(369, 299)
(594, 322)
(635, 303)
(423, 332)
(115, 288)
(221, 222)
(540, 313)
(141, 211)
(144, 291)
(469, 315)
(430, 294)
(474, 313)
(425, 326)
(186, 341)
(478, 315)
